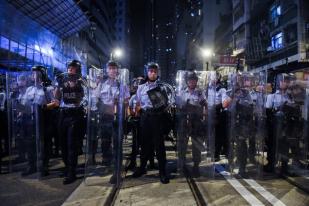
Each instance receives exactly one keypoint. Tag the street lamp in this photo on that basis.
(116, 53)
(207, 54)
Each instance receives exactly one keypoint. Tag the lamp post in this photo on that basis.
(116, 53)
(207, 54)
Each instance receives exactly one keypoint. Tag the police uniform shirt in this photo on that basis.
(216, 96)
(194, 97)
(37, 95)
(254, 95)
(133, 102)
(109, 90)
(276, 100)
(2, 101)
(93, 100)
(142, 95)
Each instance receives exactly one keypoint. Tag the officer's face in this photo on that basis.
(284, 84)
(112, 71)
(192, 83)
(21, 83)
(36, 76)
(247, 83)
(152, 74)
(72, 70)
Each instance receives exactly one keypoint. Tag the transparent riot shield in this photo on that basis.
(24, 119)
(195, 143)
(257, 144)
(245, 125)
(107, 98)
(291, 128)
(4, 138)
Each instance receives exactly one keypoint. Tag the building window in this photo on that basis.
(275, 12)
(14, 47)
(30, 53)
(22, 50)
(277, 41)
(4, 43)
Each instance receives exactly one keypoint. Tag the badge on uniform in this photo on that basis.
(158, 98)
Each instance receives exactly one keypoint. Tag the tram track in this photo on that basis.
(110, 201)
(194, 189)
(259, 193)
(198, 196)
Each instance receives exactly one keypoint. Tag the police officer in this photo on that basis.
(151, 104)
(93, 133)
(221, 141)
(277, 115)
(17, 94)
(242, 114)
(3, 123)
(37, 99)
(191, 101)
(134, 122)
(69, 94)
(108, 92)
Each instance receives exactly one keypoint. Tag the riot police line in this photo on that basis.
(241, 125)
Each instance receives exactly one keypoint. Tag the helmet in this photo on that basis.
(137, 81)
(245, 79)
(191, 76)
(152, 65)
(42, 70)
(77, 64)
(283, 77)
(112, 63)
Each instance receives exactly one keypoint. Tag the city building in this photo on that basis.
(67, 30)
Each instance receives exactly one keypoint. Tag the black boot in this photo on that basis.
(131, 166)
(30, 170)
(196, 171)
(139, 172)
(269, 168)
(44, 172)
(152, 165)
(163, 178)
(284, 168)
(70, 178)
(113, 179)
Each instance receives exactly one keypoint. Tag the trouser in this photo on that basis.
(243, 134)
(112, 137)
(151, 136)
(108, 133)
(53, 132)
(29, 141)
(190, 128)
(47, 129)
(4, 133)
(92, 136)
(221, 140)
(4, 146)
(136, 139)
(70, 130)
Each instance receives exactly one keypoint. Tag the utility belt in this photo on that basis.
(219, 108)
(72, 110)
(151, 111)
